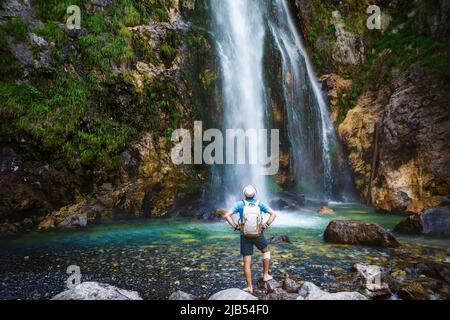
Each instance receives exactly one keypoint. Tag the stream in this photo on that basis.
(157, 257)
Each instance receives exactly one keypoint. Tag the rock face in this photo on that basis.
(144, 182)
(359, 232)
(435, 221)
(393, 124)
(310, 291)
(97, 291)
(397, 140)
(232, 294)
(348, 48)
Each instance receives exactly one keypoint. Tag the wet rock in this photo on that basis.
(419, 206)
(434, 270)
(180, 295)
(290, 285)
(75, 220)
(280, 294)
(279, 239)
(46, 224)
(232, 294)
(8, 229)
(435, 221)
(359, 232)
(213, 215)
(326, 210)
(97, 291)
(268, 286)
(309, 291)
(412, 290)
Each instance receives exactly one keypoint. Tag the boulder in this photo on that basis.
(434, 221)
(359, 232)
(180, 295)
(232, 294)
(96, 291)
(309, 291)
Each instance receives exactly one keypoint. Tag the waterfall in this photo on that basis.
(243, 30)
(311, 132)
(239, 30)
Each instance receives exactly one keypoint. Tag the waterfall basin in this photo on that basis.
(157, 257)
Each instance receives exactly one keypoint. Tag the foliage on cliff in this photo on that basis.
(68, 111)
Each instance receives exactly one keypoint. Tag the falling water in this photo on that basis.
(239, 30)
(310, 130)
(243, 30)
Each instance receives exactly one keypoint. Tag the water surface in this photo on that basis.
(156, 257)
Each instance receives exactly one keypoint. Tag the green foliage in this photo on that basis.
(97, 23)
(16, 29)
(10, 67)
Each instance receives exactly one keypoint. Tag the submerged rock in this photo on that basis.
(310, 291)
(97, 291)
(232, 294)
(279, 239)
(359, 232)
(412, 290)
(180, 295)
(326, 210)
(435, 221)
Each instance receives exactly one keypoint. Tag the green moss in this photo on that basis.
(97, 23)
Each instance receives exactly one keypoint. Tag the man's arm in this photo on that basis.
(272, 217)
(230, 221)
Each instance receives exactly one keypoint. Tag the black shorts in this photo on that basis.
(247, 244)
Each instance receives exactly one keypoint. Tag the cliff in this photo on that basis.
(389, 95)
(87, 114)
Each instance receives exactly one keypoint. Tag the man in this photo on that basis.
(247, 243)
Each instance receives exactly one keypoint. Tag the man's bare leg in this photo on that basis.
(266, 265)
(248, 273)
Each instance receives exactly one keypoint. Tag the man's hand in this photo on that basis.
(230, 221)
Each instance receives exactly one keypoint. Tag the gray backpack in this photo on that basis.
(251, 219)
